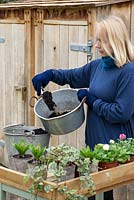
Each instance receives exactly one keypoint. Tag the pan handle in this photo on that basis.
(31, 100)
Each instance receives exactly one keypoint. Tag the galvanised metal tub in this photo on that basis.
(65, 99)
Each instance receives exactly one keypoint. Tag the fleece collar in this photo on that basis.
(108, 62)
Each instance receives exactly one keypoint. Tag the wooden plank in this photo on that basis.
(82, 40)
(51, 46)
(49, 3)
(112, 178)
(64, 47)
(91, 29)
(11, 21)
(82, 60)
(38, 53)
(73, 63)
(111, 2)
(29, 4)
(77, 36)
(62, 22)
(63, 61)
(120, 9)
(130, 191)
(51, 59)
(59, 1)
(29, 65)
(120, 193)
(2, 82)
(12, 65)
(17, 70)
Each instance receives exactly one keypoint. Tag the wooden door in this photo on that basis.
(12, 74)
(58, 36)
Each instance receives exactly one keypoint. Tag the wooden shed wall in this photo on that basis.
(56, 30)
(15, 75)
(40, 39)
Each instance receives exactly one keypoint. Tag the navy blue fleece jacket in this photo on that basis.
(113, 110)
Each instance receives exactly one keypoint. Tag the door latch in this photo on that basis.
(23, 90)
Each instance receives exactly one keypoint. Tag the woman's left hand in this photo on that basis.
(90, 98)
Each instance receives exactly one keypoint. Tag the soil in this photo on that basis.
(56, 114)
(48, 99)
(25, 156)
(33, 161)
(38, 131)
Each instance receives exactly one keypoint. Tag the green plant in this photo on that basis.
(86, 182)
(64, 155)
(86, 152)
(123, 155)
(55, 161)
(112, 152)
(130, 146)
(126, 146)
(21, 147)
(37, 151)
(59, 158)
(127, 143)
(105, 153)
(122, 140)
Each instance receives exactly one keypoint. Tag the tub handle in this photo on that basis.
(31, 101)
(34, 97)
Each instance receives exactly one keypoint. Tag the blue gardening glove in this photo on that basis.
(90, 98)
(81, 94)
(41, 80)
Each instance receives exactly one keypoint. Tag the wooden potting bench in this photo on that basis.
(13, 182)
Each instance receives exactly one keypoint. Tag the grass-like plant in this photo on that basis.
(37, 151)
(21, 147)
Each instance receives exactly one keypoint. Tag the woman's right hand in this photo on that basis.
(42, 80)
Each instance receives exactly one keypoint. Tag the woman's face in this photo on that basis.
(101, 43)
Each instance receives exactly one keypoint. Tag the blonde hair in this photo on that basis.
(115, 31)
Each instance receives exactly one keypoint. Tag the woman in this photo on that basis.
(109, 81)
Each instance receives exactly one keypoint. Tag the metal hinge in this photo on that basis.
(82, 48)
(2, 40)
